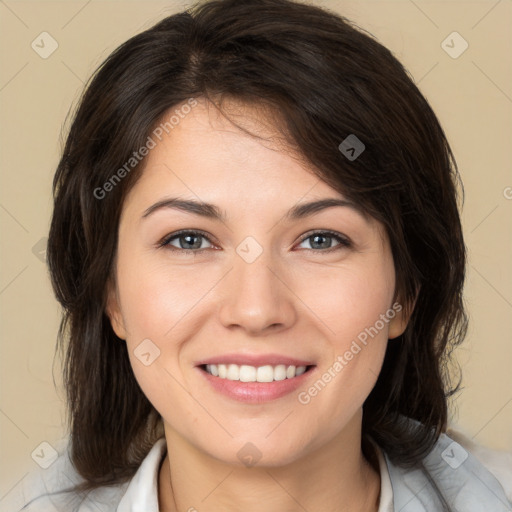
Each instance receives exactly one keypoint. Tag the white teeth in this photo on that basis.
(300, 370)
(246, 373)
(265, 374)
(233, 372)
(280, 372)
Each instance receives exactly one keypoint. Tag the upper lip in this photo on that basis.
(255, 360)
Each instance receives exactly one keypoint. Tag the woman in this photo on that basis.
(258, 249)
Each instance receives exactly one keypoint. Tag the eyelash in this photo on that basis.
(165, 242)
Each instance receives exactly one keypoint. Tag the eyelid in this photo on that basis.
(167, 238)
(343, 240)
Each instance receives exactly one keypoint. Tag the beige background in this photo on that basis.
(471, 94)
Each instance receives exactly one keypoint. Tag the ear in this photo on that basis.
(113, 311)
(398, 323)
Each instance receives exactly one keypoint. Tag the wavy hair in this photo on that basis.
(325, 79)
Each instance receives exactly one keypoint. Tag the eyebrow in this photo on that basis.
(211, 211)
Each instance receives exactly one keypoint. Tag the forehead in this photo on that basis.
(207, 157)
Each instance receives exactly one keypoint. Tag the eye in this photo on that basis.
(188, 241)
(323, 240)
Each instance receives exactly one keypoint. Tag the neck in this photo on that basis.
(335, 477)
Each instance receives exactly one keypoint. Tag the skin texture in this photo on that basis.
(295, 299)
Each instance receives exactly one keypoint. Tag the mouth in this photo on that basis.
(267, 379)
(262, 374)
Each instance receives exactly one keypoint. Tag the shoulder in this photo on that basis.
(499, 463)
(52, 489)
(457, 474)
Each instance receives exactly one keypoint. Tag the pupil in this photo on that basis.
(316, 237)
(188, 238)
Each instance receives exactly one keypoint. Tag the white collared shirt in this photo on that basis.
(42, 490)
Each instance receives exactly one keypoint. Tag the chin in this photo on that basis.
(258, 452)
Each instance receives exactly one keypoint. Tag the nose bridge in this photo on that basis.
(256, 297)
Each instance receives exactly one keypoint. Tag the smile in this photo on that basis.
(247, 373)
(255, 384)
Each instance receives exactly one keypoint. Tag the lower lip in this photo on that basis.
(255, 392)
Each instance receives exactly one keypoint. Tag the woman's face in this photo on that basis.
(256, 294)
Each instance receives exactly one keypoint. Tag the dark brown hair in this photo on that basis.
(326, 79)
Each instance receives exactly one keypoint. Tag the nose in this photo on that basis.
(257, 298)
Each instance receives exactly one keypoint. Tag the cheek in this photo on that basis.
(155, 300)
(161, 309)
(155, 306)
(348, 300)
(351, 304)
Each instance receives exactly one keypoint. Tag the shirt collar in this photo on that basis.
(142, 493)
